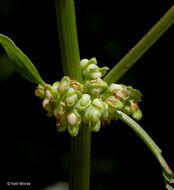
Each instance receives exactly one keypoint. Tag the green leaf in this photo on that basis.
(169, 187)
(20, 61)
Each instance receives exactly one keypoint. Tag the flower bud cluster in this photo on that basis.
(94, 103)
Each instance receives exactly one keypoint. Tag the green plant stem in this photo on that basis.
(141, 47)
(67, 32)
(80, 145)
(80, 160)
(167, 172)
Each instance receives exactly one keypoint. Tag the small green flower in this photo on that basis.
(54, 90)
(64, 85)
(85, 62)
(92, 117)
(114, 87)
(46, 105)
(90, 69)
(77, 86)
(48, 95)
(137, 114)
(103, 70)
(127, 109)
(134, 94)
(58, 110)
(83, 103)
(106, 115)
(113, 103)
(73, 121)
(62, 122)
(96, 87)
(98, 103)
(39, 92)
(71, 97)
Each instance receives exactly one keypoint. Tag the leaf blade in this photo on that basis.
(20, 61)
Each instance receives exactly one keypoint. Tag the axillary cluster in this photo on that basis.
(91, 104)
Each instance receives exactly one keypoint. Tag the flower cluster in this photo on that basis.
(92, 103)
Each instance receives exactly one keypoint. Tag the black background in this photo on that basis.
(31, 148)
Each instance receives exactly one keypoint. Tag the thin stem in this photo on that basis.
(141, 47)
(167, 172)
(80, 145)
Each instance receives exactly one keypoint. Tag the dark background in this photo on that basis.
(31, 149)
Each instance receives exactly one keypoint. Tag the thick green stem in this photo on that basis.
(167, 172)
(80, 160)
(80, 145)
(141, 47)
(67, 32)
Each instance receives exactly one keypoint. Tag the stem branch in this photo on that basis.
(141, 47)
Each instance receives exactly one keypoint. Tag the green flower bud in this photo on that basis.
(105, 115)
(54, 90)
(73, 130)
(71, 92)
(64, 85)
(119, 91)
(134, 94)
(95, 115)
(85, 99)
(134, 107)
(62, 122)
(137, 114)
(71, 97)
(90, 69)
(103, 70)
(127, 109)
(48, 95)
(96, 126)
(98, 103)
(73, 119)
(113, 87)
(77, 86)
(51, 92)
(58, 110)
(83, 103)
(93, 61)
(95, 75)
(71, 100)
(96, 87)
(46, 105)
(94, 122)
(60, 128)
(83, 63)
(39, 92)
(114, 104)
(92, 115)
